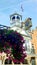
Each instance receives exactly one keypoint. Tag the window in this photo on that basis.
(18, 17)
(33, 62)
(13, 17)
(32, 50)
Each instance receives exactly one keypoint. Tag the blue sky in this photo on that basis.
(8, 7)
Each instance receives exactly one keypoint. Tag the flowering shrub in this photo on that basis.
(14, 40)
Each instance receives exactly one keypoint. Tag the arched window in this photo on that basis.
(13, 17)
(18, 17)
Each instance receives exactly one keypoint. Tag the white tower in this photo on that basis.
(15, 20)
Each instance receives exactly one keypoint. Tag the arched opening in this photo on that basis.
(33, 62)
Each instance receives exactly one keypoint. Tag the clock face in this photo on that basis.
(27, 24)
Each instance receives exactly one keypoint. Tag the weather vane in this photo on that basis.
(22, 9)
